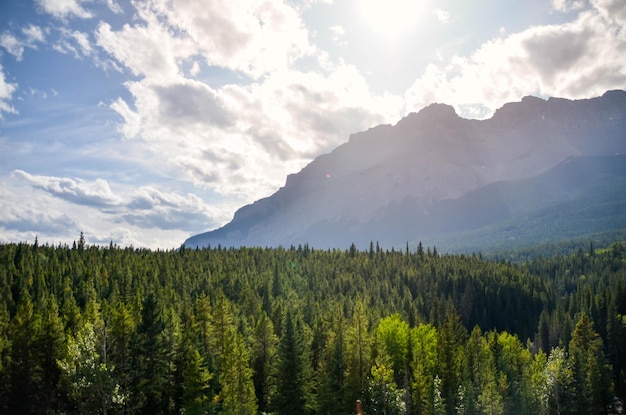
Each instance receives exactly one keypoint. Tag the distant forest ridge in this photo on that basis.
(89, 329)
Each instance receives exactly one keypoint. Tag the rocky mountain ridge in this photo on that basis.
(426, 158)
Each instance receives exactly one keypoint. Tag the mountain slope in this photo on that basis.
(435, 174)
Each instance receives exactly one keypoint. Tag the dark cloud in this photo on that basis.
(557, 50)
(192, 102)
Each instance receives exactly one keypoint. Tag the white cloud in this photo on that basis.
(95, 193)
(144, 216)
(338, 32)
(16, 45)
(195, 69)
(74, 42)
(255, 37)
(237, 140)
(567, 5)
(12, 45)
(33, 34)
(63, 9)
(6, 93)
(114, 7)
(148, 50)
(579, 59)
(442, 15)
(242, 140)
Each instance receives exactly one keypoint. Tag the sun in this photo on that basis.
(391, 18)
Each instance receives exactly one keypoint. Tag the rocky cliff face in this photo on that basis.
(428, 157)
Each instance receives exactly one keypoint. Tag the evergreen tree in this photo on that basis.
(265, 352)
(358, 345)
(592, 380)
(237, 392)
(294, 382)
(25, 369)
(451, 341)
(149, 360)
(424, 366)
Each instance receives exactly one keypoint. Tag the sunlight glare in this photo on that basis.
(391, 18)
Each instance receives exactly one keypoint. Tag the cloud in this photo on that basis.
(579, 59)
(114, 7)
(338, 32)
(442, 15)
(64, 9)
(95, 193)
(31, 35)
(147, 50)
(151, 208)
(191, 102)
(238, 139)
(6, 93)
(75, 42)
(567, 5)
(254, 37)
(144, 215)
(12, 45)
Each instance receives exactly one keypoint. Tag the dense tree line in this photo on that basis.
(88, 329)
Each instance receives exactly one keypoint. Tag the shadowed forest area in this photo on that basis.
(88, 329)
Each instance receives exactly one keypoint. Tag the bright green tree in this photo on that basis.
(237, 388)
(91, 385)
(424, 366)
(592, 374)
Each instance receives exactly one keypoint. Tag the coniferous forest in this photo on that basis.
(89, 329)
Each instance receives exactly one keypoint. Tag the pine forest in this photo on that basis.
(109, 330)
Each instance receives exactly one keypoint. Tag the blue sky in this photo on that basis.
(144, 122)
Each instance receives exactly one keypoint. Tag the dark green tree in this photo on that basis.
(294, 382)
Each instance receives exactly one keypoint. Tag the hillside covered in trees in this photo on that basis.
(88, 329)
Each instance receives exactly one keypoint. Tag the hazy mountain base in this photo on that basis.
(582, 199)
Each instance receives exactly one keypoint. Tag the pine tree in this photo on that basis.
(265, 352)
(149, 360)
(237, 388)
(359, 345)
(294, 382)
(593, 386)
(25, 368)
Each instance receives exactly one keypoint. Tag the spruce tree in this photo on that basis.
(295, 370)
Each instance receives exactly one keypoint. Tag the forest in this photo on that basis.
(93, 329)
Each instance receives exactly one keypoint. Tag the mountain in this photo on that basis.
(438, 178)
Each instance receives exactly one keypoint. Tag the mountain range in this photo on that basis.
(536, 171)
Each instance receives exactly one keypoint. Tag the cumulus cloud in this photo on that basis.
(567, 5)
(6, 93)
(163, 218)
(578, 59)
(16, 44)
(254, 37)
(94, 193)
(238, 139)
(64, 9)
(74, 42)
(12, 45)
(114, 7)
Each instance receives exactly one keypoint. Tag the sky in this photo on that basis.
(145, 122)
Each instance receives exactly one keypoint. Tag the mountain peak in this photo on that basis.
(388, 183)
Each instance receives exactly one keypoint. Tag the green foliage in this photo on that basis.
(242, 331)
